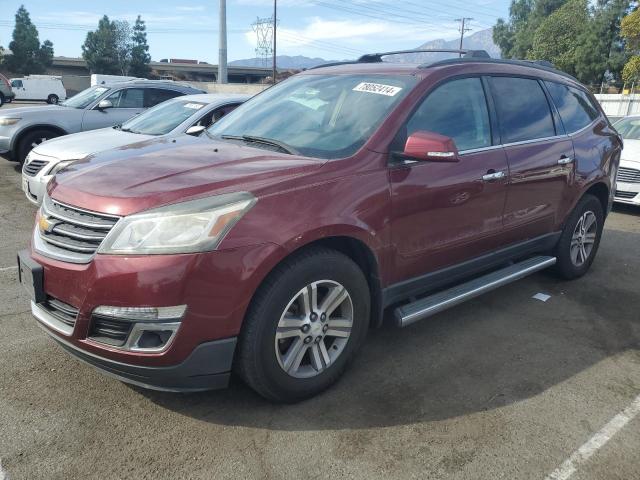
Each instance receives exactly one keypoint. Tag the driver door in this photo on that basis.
(126, 102)
(444, 213)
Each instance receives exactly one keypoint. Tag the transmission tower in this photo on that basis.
(264, 34)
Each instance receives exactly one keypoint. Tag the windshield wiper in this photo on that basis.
(265, 141)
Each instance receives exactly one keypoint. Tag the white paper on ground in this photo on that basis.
(543, 297)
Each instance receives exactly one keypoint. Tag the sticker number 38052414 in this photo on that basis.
(378, 88)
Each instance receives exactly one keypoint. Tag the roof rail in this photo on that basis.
(377, 57)
(537, 64)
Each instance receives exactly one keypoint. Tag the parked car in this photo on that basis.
(281, 236)
(101, 106)
(45, 88)
(6, 93)
(189, 114)
(628, 179)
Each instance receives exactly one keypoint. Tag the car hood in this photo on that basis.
(29, 112)
(631, 152)
(162, 171)
(80, 145)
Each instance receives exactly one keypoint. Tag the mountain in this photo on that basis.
(481, 40)
(297, 62)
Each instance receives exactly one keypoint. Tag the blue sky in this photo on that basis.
(331, 29)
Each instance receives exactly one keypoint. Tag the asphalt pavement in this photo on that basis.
(502, 387)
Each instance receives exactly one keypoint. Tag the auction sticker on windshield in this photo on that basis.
(378, 88)
(195, 106)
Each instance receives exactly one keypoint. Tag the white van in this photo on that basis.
(39, 87)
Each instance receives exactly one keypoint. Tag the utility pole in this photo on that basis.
(222, 49)
(275, 22)
(463, 29)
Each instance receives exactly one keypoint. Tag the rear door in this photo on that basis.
(127, 102)
(444, 213)
(154, 96)
(540, 156)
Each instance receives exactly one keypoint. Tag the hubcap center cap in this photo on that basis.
(316, 329)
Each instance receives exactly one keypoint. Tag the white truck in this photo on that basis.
(46, 88)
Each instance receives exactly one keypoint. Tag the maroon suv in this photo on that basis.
(271, 244)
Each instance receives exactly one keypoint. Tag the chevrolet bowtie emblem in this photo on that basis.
(46, 225)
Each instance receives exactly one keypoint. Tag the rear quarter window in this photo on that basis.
(523, 109)
(574, 106)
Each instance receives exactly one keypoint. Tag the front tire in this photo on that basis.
(31, 140)
(304, 325)
(580, 238)
(52, 99)
(2, 99)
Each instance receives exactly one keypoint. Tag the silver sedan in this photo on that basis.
(189, 114)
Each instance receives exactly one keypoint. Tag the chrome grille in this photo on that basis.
(625, 195)
(73, 229)
(109, 330)
(61, 311)
(33, 167)
(628, 175)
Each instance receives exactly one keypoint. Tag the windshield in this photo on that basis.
(85, 97)
(629, 128)
(163, 118)
(316, 115)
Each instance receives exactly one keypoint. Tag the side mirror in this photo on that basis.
(195, 130)
(430, 147)
(104, 104)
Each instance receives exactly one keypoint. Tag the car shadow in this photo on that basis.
(625, 208)
(496, 350)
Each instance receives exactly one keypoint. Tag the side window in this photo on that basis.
(154, 96)
(205, 121)
(127, 98)
(457, 109)
(523, 109)
(16, 84)
(574, 106)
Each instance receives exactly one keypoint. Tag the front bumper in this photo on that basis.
(207, 368)
(216, 287)
(34, 188)
(628, 193)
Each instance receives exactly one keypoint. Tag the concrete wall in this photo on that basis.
(619, 105)
(249, 88)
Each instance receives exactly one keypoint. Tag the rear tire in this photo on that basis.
(280, 326)
(31, 140)
(2, 99)
(580, 238)
(52, 99)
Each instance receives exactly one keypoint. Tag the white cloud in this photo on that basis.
(195, 8)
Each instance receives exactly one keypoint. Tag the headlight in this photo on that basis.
(6, 121)
(187, 227)
(59, 166)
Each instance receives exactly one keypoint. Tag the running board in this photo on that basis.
(427, 306)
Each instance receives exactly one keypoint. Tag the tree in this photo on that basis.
(556, 38)
(630, 30)
(27, 55)
(601, 51)
(140, 57)
(515, 36)
(123, 45)
(100, 49)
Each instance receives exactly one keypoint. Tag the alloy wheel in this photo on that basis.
(584, 238)
(314, 329)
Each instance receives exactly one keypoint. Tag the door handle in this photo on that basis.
(492, 175)
(564, 160)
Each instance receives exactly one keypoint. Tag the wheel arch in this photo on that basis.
(601, 191)
(351, 246)
(20, 135)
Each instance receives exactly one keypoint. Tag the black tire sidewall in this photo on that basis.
(564, 265)
(267, 311)
(28, 139)
(50, 99)
(2, 100)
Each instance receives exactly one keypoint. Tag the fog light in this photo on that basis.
(136, 329)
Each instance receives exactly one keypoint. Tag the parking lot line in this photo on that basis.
(2, 269)
(3, 474)
(596, 442)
